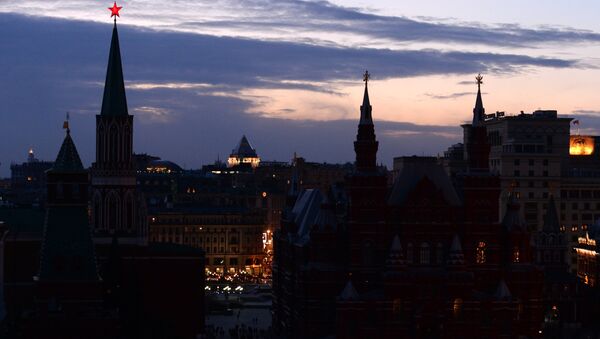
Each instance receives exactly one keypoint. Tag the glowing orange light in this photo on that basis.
(581, 145)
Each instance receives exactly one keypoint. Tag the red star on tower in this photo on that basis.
(114, 10)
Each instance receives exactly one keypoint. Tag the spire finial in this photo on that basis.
(114, 11)
(479, 79)
(66, 123)
(366, 77)
(478, 111)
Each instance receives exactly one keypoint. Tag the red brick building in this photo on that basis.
(429, 258)
(65, 277)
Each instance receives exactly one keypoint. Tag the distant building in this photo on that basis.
(243, 154)
(535, 156)
(232, 238)
(28, 181)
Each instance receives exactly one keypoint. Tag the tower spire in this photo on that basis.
(366, 144)
(365, 108)
(114, 102)
(478, 111)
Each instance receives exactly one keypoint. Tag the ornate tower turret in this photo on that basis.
(477, 147)
(367, 190)
(366, 144)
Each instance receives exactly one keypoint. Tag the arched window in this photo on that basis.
(100, 146)
(516, 254)
(112, 212)
(424, 257)
(127, 143)
(409, 253)
(129, 213)
(480, 255)
(97, 212)
(457, 307)
(114, 143)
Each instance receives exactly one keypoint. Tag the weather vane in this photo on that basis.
(479, 79)
(366, 77)
(66, 123)
(114, 11)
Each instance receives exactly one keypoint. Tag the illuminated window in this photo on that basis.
(457, 307)
(480, 257)
(516, 255)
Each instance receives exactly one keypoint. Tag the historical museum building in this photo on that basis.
(429, 257)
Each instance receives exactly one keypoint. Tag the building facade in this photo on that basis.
(232, 239)
(427, 258)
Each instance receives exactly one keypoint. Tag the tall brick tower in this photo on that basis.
(116, 208)
(367, 232)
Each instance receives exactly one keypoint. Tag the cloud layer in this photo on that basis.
(189, 91)
(308, 21)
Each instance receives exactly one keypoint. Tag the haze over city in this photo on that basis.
(200, 74)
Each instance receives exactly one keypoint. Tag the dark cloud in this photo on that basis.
(54, 66)
(586, 112)
(450, 96)
(323, 16)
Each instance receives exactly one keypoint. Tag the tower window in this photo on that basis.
(516, 255)
(480, 256)
(457, 307)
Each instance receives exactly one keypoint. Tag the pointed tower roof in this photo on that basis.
(349, 293)
(396, 257)
(456, 256)
(478, 111)
(243, 149)
(365, 108)
(68, 159)
(366, 144)
(551, 222)
(114, 102)
(67, 251)
(513, 220)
